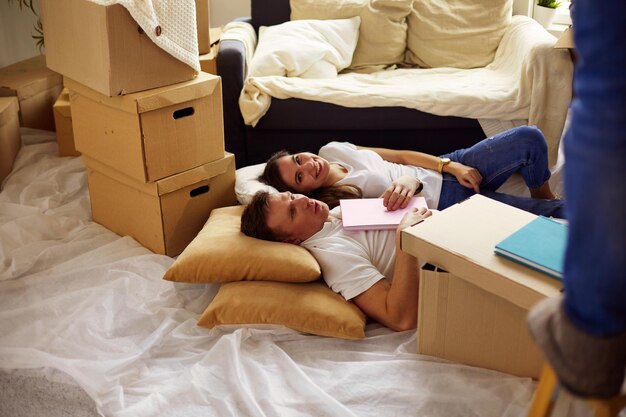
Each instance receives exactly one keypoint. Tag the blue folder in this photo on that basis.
(540, 245)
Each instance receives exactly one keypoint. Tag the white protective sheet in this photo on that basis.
(528, 80)
(78, 298)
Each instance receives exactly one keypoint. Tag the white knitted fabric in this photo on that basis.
(177, 19)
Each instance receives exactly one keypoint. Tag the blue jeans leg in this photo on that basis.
(522, 149)
(453, 192)
(595, 151)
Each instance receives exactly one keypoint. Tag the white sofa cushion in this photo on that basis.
(383, 31)
(305, 48)
(456, 33)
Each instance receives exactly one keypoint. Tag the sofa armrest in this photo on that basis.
(236, 47)
(545, 76)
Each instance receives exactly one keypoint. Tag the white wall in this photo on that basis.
(16, 26)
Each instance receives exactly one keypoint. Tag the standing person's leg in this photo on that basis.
(583, 334)
(522, 149)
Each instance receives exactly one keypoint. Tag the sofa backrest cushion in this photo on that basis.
(456, 33)
(268, 12)
(383, 31)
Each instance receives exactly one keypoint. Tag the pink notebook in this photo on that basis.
(370, 214)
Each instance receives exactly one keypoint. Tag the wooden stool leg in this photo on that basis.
(608, 408)
(545, 394)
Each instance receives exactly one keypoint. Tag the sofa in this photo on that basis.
(409, 82)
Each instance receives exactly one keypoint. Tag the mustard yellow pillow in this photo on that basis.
(383, 29)
(306, 307)
(456, 33)
(221, 253)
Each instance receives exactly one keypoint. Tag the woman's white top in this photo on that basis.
(373, 175)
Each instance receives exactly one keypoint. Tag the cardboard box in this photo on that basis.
(151, 134)
(10, 140)
(566, 41)
(165, 215)
(63, 124)
(36, 88)
(203, 19)
(208, 61)
(102, 47)
(476, 313)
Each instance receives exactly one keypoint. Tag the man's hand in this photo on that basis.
(466, 176)
(414, 216)
(399, 193)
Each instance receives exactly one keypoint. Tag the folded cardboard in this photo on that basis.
(36, 87)
(478, 314)
(151, 134)
(102, 47)
(10, 141)
(208, 62)
(203, 18)
(63, 125)
(165, 215)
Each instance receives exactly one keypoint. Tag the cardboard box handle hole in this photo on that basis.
(187, 111)
(203, 189)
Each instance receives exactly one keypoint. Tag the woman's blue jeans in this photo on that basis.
(522, 149)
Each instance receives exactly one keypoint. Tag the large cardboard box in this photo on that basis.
(10, 141)
(36, 88)
(203, 19)
(151, 134)
(102, 47)
(165, 215)
(475, 312)
(63, 124)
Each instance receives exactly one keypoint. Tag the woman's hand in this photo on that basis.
(466, 176)
(399, 193)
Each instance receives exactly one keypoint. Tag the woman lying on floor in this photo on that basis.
(343, 170)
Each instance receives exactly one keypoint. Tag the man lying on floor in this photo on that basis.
(363, 266)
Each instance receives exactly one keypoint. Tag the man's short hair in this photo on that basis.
(254, 218)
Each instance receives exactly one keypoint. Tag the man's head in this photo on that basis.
(283, 217)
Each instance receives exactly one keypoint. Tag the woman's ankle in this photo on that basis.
(542, 192)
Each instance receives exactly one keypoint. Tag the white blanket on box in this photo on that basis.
(528, 79)
(177, 35)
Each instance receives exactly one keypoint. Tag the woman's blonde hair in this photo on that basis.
(329, 195)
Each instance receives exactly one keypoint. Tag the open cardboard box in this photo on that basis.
(473, 309)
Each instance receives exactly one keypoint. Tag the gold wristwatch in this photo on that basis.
(442, 163)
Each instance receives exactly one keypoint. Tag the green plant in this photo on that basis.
(38, 35)
(550, 4)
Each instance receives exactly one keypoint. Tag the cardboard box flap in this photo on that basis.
(168, 184)
(62, 105)
(27, 78)
(192, 176)
(455, 240)
(9, 106)
(144, 101)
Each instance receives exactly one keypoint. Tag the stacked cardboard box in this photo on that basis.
(63, 124)
(36, 88)
(9, 134)
(155, 158)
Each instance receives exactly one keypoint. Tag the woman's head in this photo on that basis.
(308, 174)
(302, 172)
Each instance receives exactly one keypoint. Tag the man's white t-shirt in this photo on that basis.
(352, 261)
(373, 175)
